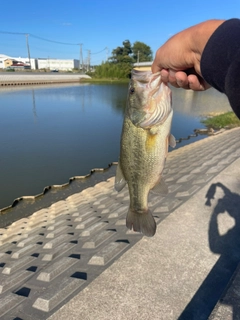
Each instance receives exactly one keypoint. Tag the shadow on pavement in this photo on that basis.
(228, 246)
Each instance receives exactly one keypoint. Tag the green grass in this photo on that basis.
(228, 120)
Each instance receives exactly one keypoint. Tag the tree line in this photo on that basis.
(119, 65)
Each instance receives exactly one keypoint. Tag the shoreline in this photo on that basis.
(22, 79)
(7, 80)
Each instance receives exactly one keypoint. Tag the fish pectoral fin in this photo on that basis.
(120, 182)
(160, 188)
(154, 130)
(172, 141)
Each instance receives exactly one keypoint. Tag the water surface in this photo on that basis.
(51, 133)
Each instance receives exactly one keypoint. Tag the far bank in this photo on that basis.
(16, 79)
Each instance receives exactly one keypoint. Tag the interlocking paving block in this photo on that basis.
(56, 231)
(18, 225)
(55, 295)
(87, 222)
(188, 192)
(94, 228)
(36, 221)
(31, 239)
(132, 232)
(7, 248)
(83, 216)
(197, 170)
(16, 264)
(185, 178)
(155, 200)
(9, 302)
(8, 238)
(56, 269)
(55, 224)
(173, 187)
(55, 242)
(216, 169)
(43, 256)
(57, 251)
(121, 222)
(167, 206)
(108, 253)
(98, 239)
(30, 248)
(8, 282)
(204, 178)
(113, 215)
(121, 209)
(171, 178)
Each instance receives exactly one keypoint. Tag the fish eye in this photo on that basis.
(132, 90)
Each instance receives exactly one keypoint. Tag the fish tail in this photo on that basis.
(141, 222)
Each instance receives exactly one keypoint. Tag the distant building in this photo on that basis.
(57, 64)
(143, 65)
(32, 63)
(6, 61)
(40, 63)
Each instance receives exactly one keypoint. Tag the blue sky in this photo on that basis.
(99, 24)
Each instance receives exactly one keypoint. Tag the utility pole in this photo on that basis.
(138, 57)
(106, 54)
(28, 50)
(89, 60)
(80, 57)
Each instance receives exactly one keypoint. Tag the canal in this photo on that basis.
(52, 133)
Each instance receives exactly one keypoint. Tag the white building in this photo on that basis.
(3, 57)
(143, 65)
(40, 63)
(26, 61)
(4, 61)
(57, 64)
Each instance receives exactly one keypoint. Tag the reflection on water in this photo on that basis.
(51, 133)
(199, 103)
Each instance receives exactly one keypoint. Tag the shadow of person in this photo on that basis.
(228, 246)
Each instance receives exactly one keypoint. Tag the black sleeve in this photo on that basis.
(220, 62)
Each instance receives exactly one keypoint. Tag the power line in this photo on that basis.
(8, 32)
(100, 51)
(48, 40)
(59, 42)
(40, 38)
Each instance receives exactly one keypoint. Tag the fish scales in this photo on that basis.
(144, 147)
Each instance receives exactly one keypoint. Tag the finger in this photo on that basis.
(155, 67)
(164, 75)
(182, 79)
(195, 83)
(172, 78)
(169, 76)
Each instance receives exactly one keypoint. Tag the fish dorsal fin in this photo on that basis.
(161, 188)
(119, 179)
(172, 141)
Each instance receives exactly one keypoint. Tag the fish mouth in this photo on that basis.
(146, 77)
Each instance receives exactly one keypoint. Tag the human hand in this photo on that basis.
(178, 60)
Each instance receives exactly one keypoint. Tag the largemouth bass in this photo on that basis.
(144, 146)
